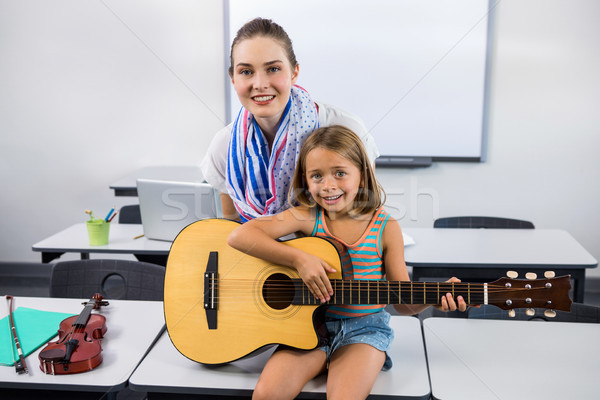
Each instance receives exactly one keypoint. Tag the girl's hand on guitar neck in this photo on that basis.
(313, 272)
(448, 303)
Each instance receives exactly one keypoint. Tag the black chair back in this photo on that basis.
(113, 279)
(130, 214)
(482, 222)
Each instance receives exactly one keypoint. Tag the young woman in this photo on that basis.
(339, 199)
(252, 160)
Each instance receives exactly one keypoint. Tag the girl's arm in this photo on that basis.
(258, 238)
(395, 269)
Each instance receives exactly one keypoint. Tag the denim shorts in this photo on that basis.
(373, 330)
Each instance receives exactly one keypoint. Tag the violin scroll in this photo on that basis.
(99, 301)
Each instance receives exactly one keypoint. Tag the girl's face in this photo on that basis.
(263, 77)
(333, 181)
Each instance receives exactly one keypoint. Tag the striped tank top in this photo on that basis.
(362, 260)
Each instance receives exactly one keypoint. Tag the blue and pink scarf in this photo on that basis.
(258, 182)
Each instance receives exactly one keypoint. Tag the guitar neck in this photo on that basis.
(392, 292)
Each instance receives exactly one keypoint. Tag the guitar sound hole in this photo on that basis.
(278, 291)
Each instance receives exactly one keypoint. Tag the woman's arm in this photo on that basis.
(229, 210)
(395, 269)
(258, 238)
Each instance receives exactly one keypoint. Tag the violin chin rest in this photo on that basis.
(53, 355)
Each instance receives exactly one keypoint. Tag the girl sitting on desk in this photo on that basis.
(339, 199)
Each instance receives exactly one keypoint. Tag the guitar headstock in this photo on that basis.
(550, 293)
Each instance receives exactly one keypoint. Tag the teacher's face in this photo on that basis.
(262, 78)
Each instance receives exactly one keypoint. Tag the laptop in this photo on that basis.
(167, 207)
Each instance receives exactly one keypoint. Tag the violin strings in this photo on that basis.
(77, 325)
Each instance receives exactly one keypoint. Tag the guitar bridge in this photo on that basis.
(211, 289)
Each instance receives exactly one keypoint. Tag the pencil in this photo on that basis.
(111, 218)
(109, 214)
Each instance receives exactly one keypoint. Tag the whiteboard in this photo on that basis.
(415, 71)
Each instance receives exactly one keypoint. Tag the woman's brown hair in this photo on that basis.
(267, 28)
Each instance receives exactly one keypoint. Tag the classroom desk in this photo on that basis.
(481, 253)
(529, 360)
(126, 186)
(408, 379)
(74, 239)
(132, 328)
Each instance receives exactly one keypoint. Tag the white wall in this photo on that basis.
(90, 91)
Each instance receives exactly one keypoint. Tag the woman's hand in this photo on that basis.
(449, 304)
(313, 272)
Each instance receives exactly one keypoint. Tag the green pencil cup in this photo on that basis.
(98, 232)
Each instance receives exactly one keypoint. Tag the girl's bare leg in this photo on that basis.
(287, 371)
(353, 370)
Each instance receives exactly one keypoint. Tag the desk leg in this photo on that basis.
(85, 256)
(578, 285)
(49, 256)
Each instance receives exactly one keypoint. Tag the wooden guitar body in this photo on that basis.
(245, 321)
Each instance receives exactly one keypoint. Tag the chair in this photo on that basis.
(579, 313)
(130, 214)
(113, 279)
(482, 222)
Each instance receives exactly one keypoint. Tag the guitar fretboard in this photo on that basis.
(391, 292)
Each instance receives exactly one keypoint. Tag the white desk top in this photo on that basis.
(120, 240)
(132, 327)
(127, 185)
(434, 247)
(407, 379)
(529, 360)
(492, 247)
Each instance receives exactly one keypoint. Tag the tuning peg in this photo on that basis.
(530, 312)
(512, 274)
(531, 275)
(512, 313)
(549, 274)
(550, 313)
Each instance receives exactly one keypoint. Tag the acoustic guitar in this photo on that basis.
(222, 305)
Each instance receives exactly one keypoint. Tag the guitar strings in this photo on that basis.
(238, 290)
(371, 285)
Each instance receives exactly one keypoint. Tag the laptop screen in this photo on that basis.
(167, 207)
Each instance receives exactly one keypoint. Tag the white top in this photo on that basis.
(500, 359)
(121, 239)
(214, 164)
(131, 328)
(406, 379)
(481, 248)
(127, 185)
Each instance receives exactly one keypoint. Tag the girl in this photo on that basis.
(252, 160)
(339, 199)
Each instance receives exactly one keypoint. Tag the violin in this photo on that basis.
(78, 348)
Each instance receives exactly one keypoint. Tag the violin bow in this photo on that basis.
(20, 366)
